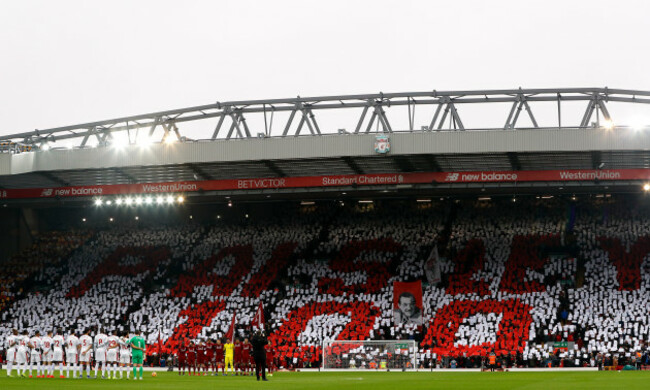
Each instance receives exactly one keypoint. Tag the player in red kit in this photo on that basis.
(218, 356)
(270, 366)
(200, 357)
(191, 358)
(182, 357)
(237, 356)
(209, 356)
(246, 356)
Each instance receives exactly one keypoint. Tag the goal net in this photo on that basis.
(369, 355)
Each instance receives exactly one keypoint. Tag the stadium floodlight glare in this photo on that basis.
(108, 202)
(98, 202)
(118, 201)
(169, 140)
(180, 199)
(138, 200)
(128, 201)
(646, 187)
(169, 199)
(608, 124)
(230, 203)
(45, 146)
(160, 200)
(110, 219)
(148, 200)
(83, 219)
(137, 218)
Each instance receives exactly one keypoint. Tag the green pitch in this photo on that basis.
(356, 380)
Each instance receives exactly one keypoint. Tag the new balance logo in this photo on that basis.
(452, 177)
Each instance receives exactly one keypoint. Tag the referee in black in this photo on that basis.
(259, 353)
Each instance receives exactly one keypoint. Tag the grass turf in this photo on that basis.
(359, 380)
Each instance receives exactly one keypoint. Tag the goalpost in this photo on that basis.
(369, 355)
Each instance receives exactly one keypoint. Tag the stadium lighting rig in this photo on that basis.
(159, 200)
(646, 187)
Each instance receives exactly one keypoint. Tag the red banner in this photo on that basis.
(333, 181)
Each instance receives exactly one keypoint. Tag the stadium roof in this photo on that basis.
(595, 143)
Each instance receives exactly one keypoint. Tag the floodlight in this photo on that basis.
(646, 187)
(170, 199)
(118, 201)
(98, 202)
(160, 200)
(129, 201)
(45, 146)
(608, 124)
(148, 200)
(108, 202)
(138, 200)
(180, 199)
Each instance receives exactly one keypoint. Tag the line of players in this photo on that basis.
(43, 354)
(210, 356)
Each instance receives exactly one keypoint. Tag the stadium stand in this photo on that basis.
(534, 283)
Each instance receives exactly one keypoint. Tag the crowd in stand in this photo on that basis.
(45, 253)
(518, 280)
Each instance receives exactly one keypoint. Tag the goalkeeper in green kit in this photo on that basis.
(138, 346)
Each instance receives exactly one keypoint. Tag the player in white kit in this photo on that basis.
(35, 354)
(125, 355)
(46, 350)
(72, 355)
(22, 353)
(112, 350)
(101, 341)
(11, 345)
(57, 354)
(86, 345)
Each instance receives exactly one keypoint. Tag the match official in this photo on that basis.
(259, 353)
